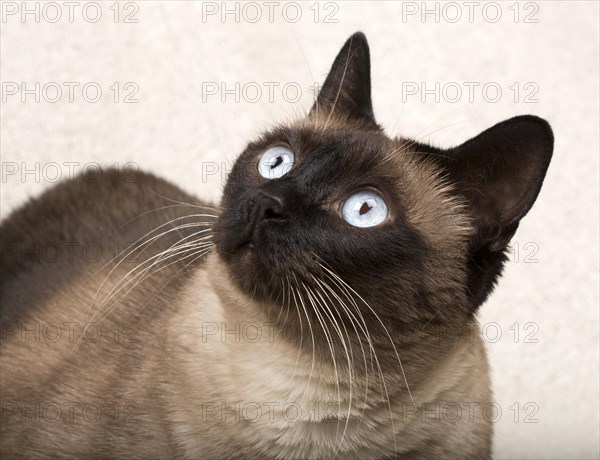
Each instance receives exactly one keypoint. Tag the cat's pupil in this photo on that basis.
(365, 208)
(277, 162)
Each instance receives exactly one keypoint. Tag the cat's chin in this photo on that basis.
(251, 273)
(245, 258)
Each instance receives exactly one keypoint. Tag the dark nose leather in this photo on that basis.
(266, 207)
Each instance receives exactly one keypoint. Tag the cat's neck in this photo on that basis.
(238, 368)
(217, 319)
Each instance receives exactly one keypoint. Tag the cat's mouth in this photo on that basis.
(252, 239)
(243, 242)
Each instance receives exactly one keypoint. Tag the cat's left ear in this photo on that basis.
(500, 173)
(347, 88)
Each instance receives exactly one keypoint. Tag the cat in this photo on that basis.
(324, 309)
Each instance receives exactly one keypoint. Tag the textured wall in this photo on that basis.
(176, 130)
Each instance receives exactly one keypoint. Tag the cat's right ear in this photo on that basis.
(347, 88)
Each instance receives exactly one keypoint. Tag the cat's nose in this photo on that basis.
(265, 207)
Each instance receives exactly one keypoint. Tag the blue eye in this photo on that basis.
(364, 209)
(275, 162)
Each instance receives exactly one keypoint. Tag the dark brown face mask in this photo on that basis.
(283, 207)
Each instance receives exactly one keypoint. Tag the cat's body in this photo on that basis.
(210, 345)
(208, 356)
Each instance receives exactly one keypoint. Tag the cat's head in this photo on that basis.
(330, 208)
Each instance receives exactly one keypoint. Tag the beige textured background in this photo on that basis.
(170, 52)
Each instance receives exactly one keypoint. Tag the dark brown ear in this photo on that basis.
(347, 88)
(500, 173)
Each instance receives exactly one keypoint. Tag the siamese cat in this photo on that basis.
(325, 309)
